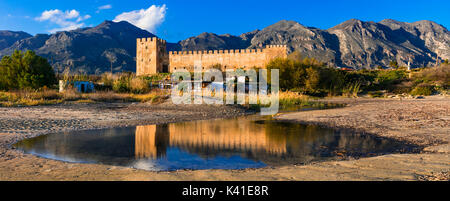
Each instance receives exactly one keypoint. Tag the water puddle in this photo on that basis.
(243, 142)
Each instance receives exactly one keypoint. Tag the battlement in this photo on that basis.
(276, 46)
(235, 51)
(152, 39)
(203, 52)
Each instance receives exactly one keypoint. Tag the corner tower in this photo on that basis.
(151, 56)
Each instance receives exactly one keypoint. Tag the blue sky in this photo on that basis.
(175, 20)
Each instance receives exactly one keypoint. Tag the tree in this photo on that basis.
(112, 58)
(25, 71)
(313, 79)
(295, 56)
(292, 73)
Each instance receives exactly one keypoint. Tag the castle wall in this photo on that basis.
(228, 59)
(152, 57)
(216, 137)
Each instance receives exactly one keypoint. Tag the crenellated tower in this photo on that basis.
(151, 56)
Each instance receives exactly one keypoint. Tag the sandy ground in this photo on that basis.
(425, 122)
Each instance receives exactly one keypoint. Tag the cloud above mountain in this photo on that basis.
(104, 7)
(66, 20)
(148, 19)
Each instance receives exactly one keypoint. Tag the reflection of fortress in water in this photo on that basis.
(206, 138)
(266, 141)
(228, 143)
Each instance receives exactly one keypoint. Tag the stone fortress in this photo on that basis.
(152, 57)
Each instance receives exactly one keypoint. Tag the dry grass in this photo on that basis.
(70, 94)
(125, 83)
(15, 100)
(288, 98)
(436, 75)
(29, 98)
(155, 96)
(139, 85)
(107, 96)
(108, 79)
(48, 97)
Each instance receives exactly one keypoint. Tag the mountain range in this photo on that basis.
(353, 44)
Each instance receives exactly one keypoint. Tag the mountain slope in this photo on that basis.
(425, 34)
(87, 50)
(353, 43)
(369, 44)
(32, 43)
(310, 42)
(7, 38)
(211, 41)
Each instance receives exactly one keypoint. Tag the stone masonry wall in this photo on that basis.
(152, 57)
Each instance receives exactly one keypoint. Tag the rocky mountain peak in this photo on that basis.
(7, 38)
(353, 43)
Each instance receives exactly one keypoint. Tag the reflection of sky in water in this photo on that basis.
(244, 142)
(176, 159)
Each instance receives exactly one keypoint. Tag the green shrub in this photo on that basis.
(120, 86)
(423, 89)
(307, 75)
(351, 90)
(403, 87)
(157, 77)
(310, 77)
(129, 83)
(386, 79)
(292, 73)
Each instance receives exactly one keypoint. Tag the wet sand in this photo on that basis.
(425, 122)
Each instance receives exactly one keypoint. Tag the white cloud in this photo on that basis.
(67, 20)
(72, 14)
(81, 18)
(105, 7)
(148, 19)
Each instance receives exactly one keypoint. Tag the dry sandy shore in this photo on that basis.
(425, 122)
